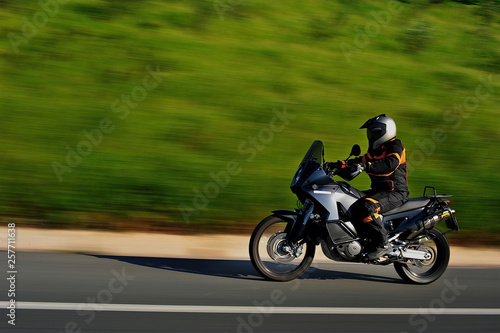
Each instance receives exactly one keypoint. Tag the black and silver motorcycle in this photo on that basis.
(283, 245)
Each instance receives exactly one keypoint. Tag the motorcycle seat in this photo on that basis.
(411, 204)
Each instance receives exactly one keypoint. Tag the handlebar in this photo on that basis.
(355, 173)
(352, 175)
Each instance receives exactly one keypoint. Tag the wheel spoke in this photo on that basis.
(273, 257)
(276, 255)
(426, 271)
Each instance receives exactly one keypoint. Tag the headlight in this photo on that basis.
(297, 175)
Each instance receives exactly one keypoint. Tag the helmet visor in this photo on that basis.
(374, 134)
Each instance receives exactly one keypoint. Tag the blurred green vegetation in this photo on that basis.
(224, 70)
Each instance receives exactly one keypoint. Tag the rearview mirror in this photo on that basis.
(356, 150)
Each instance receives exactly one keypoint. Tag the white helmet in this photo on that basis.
(379, 130)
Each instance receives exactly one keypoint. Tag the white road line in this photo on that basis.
(21, 305)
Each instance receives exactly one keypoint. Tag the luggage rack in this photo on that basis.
(435, 195)
(451, 222)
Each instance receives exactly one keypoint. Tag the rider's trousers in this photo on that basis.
(366, 214)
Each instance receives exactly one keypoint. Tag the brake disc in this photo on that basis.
(279, 250)
(428, 262)
(430, 250)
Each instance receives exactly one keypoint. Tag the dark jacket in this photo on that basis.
(386, 166)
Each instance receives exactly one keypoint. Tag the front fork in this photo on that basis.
(295, 229)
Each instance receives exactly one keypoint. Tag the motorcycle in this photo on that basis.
(283, 245)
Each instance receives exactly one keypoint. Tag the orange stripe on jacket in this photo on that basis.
(400, 159)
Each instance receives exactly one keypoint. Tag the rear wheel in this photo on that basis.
(273, 257)
(426, 271)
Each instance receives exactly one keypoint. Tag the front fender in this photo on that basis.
(286, 215)
(296, 221)
(289, 216)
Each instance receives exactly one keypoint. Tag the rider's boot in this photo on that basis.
(383, 247)
(380, 251)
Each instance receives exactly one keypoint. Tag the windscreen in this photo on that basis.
(311, 161)
(315, 153)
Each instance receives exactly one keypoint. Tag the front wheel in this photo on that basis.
(273, 257)
(426, 271)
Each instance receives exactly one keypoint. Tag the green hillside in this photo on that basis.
(195, 114)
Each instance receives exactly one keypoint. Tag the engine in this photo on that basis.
(349, 250)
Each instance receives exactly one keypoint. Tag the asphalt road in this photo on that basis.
(90, 293)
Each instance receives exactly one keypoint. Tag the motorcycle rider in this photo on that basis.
(385, 163)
